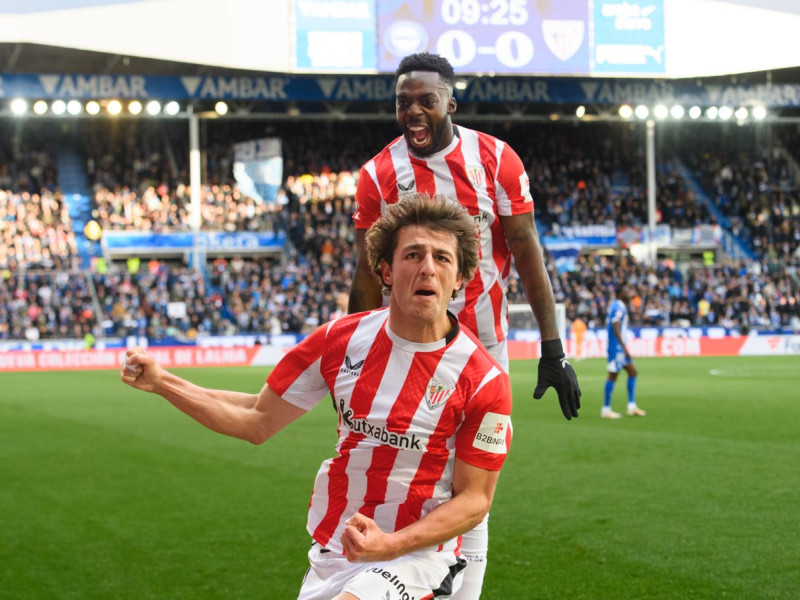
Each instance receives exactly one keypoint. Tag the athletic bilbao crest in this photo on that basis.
(437, 393)
(477, 176)
(563, 37)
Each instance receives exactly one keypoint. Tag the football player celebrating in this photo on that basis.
(486, 175)
(424, 416)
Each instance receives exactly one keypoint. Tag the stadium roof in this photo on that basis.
(42, 59)
(39, 59)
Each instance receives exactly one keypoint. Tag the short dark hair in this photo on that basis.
(438, 213)
(425, 61)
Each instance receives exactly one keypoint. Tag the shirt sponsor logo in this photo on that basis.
(482, 221)
(402, 441)
(395, 581)
(437, 393)
(525, 187)
(492, 434)
(350, 367)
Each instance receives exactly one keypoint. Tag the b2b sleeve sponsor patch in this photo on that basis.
(491, 435)
(525, 187)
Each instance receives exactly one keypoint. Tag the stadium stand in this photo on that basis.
(579, 176)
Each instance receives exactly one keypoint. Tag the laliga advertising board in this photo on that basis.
(269, 355)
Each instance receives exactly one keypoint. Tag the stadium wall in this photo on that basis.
(264, 355)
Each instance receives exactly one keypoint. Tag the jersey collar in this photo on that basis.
(425, 347)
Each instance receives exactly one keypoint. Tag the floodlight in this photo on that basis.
(741, 113)
(580, 111)
(74, 107)
(677, 111)
(59, 107)
(153, 107)
(641, 112)
(460, 84)
(135, 107)
(712, 112)
(660, 111)
(114, 107)
(221, 108)
(625, 111)
(92, 107)
(759, 113)
(19, 106)
(695, 112)
(725, 112)
(172, 108)
(40, 107)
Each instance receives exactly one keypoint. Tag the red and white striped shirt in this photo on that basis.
(406, 411)
(489, 179)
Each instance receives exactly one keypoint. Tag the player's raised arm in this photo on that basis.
(554, 370)
(365, 289)
(251, 417)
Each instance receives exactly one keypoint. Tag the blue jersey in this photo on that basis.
(617, 313)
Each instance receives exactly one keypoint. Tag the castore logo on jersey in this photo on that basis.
(350, 367)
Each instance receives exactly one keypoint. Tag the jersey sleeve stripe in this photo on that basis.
(302, 357)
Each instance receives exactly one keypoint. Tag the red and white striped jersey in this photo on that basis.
(488, 177)
(406, 411)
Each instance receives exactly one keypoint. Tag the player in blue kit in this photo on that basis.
(618, 356)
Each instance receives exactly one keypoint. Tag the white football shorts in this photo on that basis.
(422, 574)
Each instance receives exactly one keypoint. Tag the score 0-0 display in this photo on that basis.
(487, 36)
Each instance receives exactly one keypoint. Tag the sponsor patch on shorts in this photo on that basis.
(491, 435)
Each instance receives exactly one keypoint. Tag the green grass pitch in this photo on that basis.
(107, 493)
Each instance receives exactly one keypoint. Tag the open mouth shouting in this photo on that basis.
(419, 135)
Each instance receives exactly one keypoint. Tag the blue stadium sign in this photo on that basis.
(177, 243)
(380, 88)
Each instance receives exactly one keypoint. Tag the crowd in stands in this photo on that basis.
(759, 194)
(743, 296)
(583, 176)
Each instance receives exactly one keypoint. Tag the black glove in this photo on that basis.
(555, 371)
